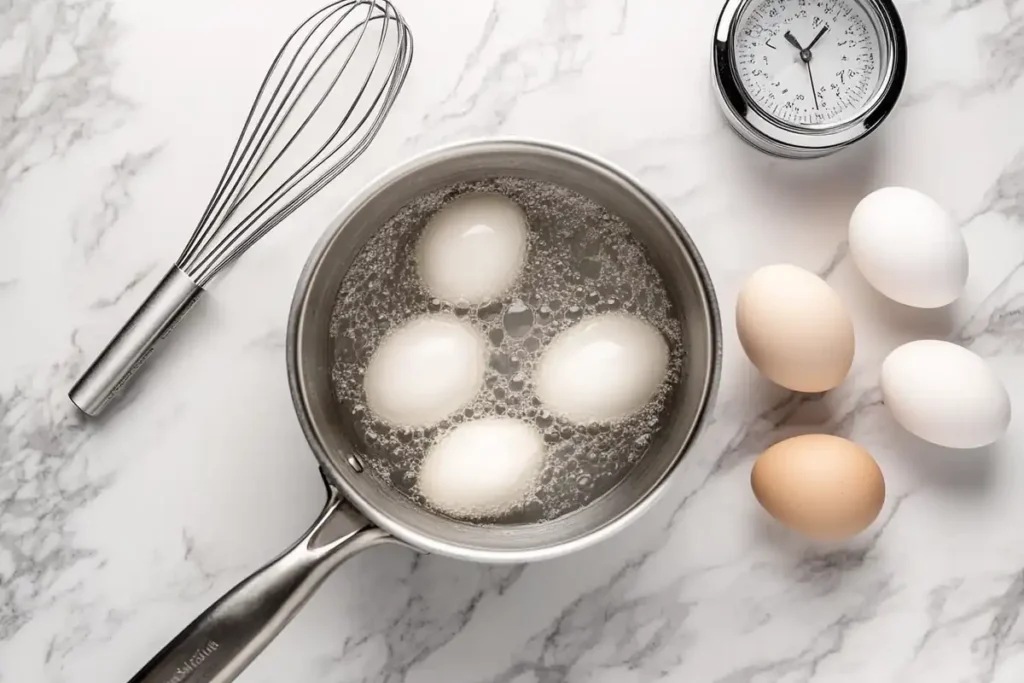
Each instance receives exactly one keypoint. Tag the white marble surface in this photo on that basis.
(115, 119)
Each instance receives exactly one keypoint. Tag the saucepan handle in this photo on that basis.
(221, 642)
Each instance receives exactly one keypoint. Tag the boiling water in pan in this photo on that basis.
(581, 261)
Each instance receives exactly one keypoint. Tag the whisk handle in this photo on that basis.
(139, 337)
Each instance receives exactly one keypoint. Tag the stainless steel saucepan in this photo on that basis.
(361, 510)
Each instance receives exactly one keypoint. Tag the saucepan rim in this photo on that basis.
(297, 328)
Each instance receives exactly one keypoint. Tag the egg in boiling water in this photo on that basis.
(482, 468)
(425, 370)
(602, 369)
(822, 486)
(473, 249)
(945, 394)
(908, 247)
(795, 328)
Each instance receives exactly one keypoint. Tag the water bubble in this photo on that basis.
(504, 363)
(516, 382)
(533, 509)
(531, 344)
(496, 336)
(489, 311)
(544, 419)
(574, 312)
(590, 268)
(518, 320)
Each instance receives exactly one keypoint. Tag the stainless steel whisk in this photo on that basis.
(356, 50)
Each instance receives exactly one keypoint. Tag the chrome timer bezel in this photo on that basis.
(784, 139)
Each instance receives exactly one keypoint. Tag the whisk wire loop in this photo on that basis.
(292, 144)
(221, 235)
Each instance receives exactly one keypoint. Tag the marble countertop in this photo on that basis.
(115, 120)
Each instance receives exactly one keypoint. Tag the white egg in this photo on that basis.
(473, 249)
(482, 468)
(425, 370)
(601, 369)
(908, 247)
(945, 394)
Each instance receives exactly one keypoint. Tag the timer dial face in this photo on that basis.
(809, 63)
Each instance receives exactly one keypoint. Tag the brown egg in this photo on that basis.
(825, 487)
(795, 328)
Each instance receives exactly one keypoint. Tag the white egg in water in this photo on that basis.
(908, 248)
(601, 369)
(425, 370)
(945, 394)
(482, 468)
(473, 249)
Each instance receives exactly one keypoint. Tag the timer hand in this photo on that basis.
(805, 57)
(792, 41)
(817, 37)
(811, 76)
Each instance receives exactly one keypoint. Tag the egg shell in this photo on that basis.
(473, 249)
(602, 369)
(794, 328)
(822, 486)
(908, 247)
(425, 370)
(945, 394)
(482, 468)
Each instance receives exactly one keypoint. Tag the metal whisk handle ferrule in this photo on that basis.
(138, 338)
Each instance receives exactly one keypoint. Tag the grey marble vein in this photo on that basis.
(114, 198)
(996, 615)
(999, 45)
(570, 648)
(60, 93)
(57, 94)
(423, 624)
(997, 327)
(1006, 196)
(804, 666)
(1005, 48)
(496, 77)
(932, 594)
(42, 484)
(128, 288)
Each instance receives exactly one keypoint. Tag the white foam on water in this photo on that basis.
(582, 261)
